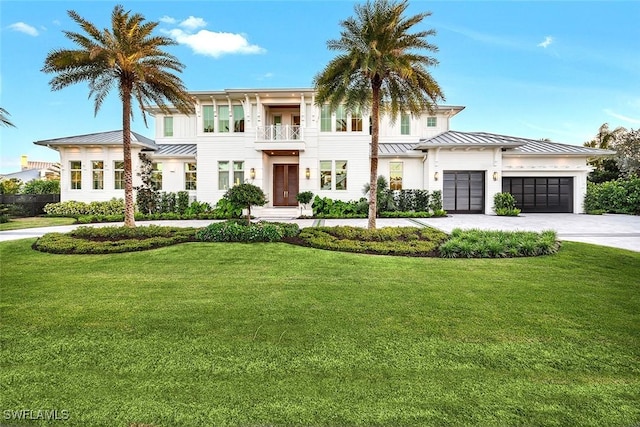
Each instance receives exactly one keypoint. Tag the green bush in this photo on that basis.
(236, 231)
(105, 240)
(41, 186)
(498, 244)
(182, 203)
(619, 196)
(504, 204)
(304, 197)
(409, 241)
(75, 209)
(435, 204)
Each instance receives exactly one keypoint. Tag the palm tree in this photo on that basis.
(4, 120)
(127, 56)
(605, 169)
(380, 69)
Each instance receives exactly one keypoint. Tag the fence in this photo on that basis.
(32, 204)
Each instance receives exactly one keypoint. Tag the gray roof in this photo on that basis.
(176, 150)
(513, 145)
(102, 138)
(396, 149)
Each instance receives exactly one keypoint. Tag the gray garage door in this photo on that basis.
(553, 195)
(463, 191)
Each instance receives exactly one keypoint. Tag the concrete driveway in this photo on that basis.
(619, 231)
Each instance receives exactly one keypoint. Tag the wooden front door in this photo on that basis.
(285, 185)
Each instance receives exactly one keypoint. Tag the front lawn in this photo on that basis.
(35, 221)
(274, 334)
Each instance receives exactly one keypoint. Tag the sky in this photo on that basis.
(532, 69)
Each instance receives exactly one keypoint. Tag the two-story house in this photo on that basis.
(281, 141)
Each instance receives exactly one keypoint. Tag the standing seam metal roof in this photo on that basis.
(101, 138)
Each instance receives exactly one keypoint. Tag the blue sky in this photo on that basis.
(556, 69)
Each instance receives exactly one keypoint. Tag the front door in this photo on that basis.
(285, 185)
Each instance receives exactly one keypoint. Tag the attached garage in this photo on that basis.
(541, 194)
(463, 191)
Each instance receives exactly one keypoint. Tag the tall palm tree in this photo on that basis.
(605, 139)
(4, 120)
(127, 56)
(381, 69)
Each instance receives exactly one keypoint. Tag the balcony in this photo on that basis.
(280, 137)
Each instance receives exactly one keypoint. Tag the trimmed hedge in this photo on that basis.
(106, 240)
(408, 241)
(619, 196)
(239, 231)
(476, 243)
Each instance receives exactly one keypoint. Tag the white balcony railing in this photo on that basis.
(279, 133)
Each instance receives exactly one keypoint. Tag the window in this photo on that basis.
(207, 118)
(168, 126)
(325, 175)
(238, 118)
(189, 176)
(223, 118)
(97, 167)
(341, 119)
(341, 174)
(223, 175)
(118, 175)
(156, 176)
(325, 119)
(76, 174)
(405, 124)
(238, 173)
(432, 122)
(356, 121)
(395, 175)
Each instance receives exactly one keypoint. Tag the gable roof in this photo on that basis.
(102, 138)
(512, 145)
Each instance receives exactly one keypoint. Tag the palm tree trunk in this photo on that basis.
(129, 206)
(373, 156)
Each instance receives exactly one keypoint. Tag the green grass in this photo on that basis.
(273, 334)
(36, 221)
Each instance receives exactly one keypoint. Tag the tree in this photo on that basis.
(605, 169)
(246, 195)
(127, 56)
(4, 120)
(628, 153)
(381, 70)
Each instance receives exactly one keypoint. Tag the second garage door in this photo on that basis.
(463, 191)
(551, 194)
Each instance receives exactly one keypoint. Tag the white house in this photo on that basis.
(279, 140)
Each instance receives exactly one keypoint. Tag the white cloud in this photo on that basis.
(622, 117)
(193, 23)
(214, 44)
(24, 28)
(547, 41)
(167, 20)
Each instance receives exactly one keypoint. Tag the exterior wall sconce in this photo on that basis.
(252, 173)
(495, 176)
(307, 173)
(435, 176)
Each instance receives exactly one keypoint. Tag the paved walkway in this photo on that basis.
(619, 231)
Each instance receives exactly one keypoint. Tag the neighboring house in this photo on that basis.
(30, 170)
(279, 140)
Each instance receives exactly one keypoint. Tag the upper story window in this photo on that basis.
(405, 124)
(207, 118)
(238, 118)
(75, 167)
(118, 175)
(395, 175)
(341, 119)
(432, 122)
(97, 167)
(223, 118)
(356, 121)
(168, 126)
(325, 119)
(189, 176)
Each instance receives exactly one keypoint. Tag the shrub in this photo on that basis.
(504, 204)
(10, 186)
(167, 203)
(235, 231)
(182, 204)
(41, 186)
(498, 244)
(304, 197)
(620, 196)
(435, 204)
(75, 209)
(246, 195)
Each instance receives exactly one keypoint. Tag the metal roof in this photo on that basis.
(101, 138)
(513, 145)
(396, 149)
(176, 150)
